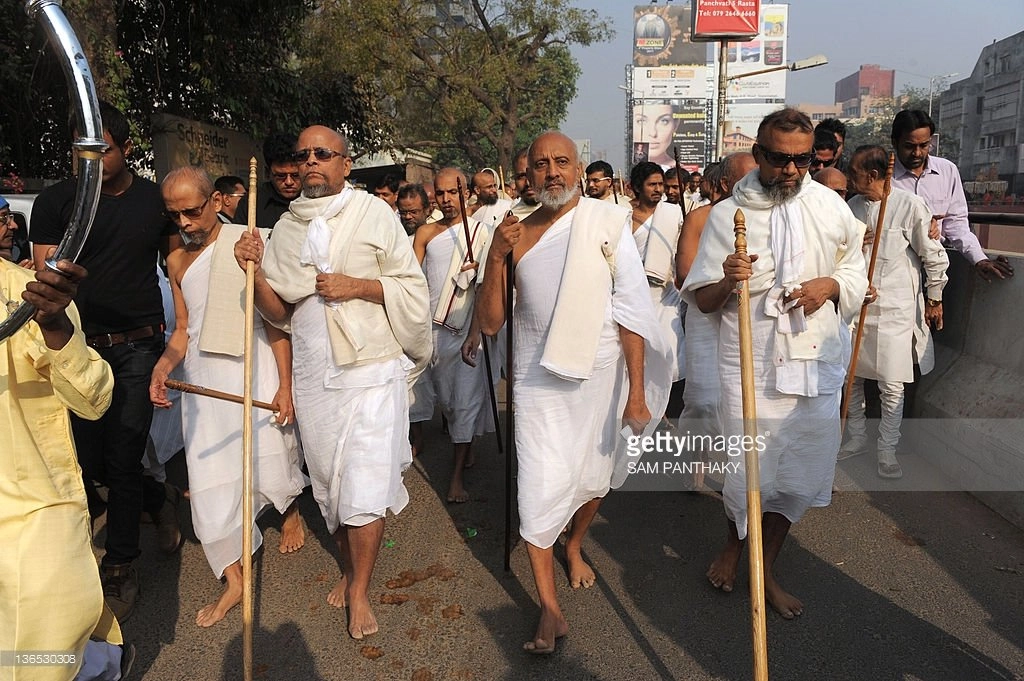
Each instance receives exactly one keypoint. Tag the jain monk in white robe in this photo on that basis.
(799, 361)
(352, 360)
(574, 288)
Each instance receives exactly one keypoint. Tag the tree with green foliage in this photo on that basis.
(876, 127)
(472, 80)
(233, 63)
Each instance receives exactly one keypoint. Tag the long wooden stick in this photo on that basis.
(487, 354)
(510, 278)
(679, 179)
(851, 374)
(250, 291)
(615, 192)
(181, 386)
(754, 536)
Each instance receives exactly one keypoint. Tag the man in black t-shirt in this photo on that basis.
(122, 318)
(275, 195)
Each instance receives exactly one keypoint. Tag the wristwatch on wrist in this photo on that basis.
(934, 303)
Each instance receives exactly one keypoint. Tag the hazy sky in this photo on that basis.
(918, 38)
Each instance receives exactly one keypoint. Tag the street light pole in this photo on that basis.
(723, 81)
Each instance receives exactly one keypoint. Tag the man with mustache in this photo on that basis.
(341, 272)
(937, 181)
(807, 280)
(656, 226)
(451, 266)
(583, 327)
(208, 288)
(490, 208)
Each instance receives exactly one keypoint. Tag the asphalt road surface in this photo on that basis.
(896, 585)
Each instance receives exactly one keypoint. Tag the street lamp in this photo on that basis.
(931, 88)
(723, 80)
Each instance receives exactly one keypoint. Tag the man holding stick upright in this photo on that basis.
(450, 253)
(340, 269)
(207, 289)
(582, 316)
(906, 306)
(807, 281)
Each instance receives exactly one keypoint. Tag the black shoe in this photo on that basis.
(127, 659)
(120, 589)
(168, 532)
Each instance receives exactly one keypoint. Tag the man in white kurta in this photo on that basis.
(582, 317)
(451, 264)
(341, 270)
(896, 334)
(208, 290)
(806, 278)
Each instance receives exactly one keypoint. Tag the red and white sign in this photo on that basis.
(733, 20)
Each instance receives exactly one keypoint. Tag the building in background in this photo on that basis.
(856, 93)
(982, 114)
(819, 112)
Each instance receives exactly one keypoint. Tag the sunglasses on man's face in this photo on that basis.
(190, 213)
(780, 160)
(321, 154)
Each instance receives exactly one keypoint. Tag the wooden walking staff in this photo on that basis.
(679, 179)
(246, 558)
(181, 386)
(851, 373)
(487, 353)
(754, 537)
(510, 278)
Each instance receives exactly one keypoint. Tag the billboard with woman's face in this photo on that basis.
(663, 125)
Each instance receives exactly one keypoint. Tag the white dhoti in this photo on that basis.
(702, 390)
(567, 432)
(459, 389)
(354, 424)
(213, 435)
(801, 434)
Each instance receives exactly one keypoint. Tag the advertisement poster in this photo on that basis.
(766, 50)
(717, 19)
(741, 121)
(660, 126)
(670, 82)
(661, 37)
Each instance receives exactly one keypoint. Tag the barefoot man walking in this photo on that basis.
(583, 313)
(341, 270)
(807, 280)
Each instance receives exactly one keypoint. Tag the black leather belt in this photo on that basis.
(109, 340)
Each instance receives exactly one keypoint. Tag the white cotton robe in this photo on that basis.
(459, 389)
(355, 424)
(904, 248)
(213, 433)
(567, 431)
(664, 294)
(798, 377)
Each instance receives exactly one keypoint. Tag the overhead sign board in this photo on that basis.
(725, 20)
